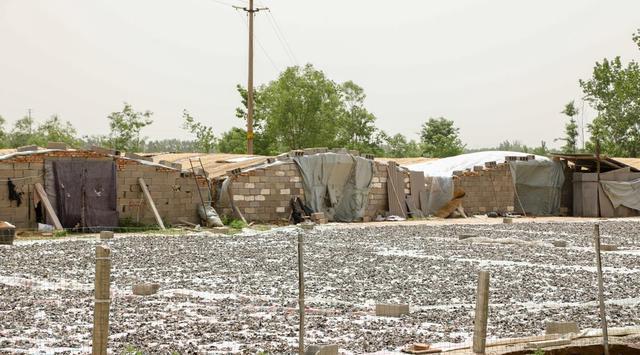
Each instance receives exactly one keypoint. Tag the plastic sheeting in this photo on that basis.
(538, 185)
(623, 193)
(336, 184)
(440, 193)
(446, 166)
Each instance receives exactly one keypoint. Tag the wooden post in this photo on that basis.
(482, 312)
(47, 206)
(147, 196)
(603, 313)
(102, 300)
(301, 294)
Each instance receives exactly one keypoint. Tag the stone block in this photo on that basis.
(559, 243)
(466, 236)
(145, 289)
(321, 350)
(561, 328)
(391, 310)
(507, 220)
(608, 247)
(57, 145)
(106, 235)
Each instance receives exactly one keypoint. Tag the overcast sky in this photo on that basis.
(501, 69)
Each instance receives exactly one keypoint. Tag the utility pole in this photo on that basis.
(250, 11)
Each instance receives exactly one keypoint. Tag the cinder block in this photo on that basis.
(145, 289)
(321, 350)
(391, 310)
(106, 235)
(561, 328)
(608, 247)
(507, 220)
(57, 145)
(559, 243)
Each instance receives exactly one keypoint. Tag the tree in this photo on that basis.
(440, 138)
(171, 145)
(22, 132)
(514, 146)
(55, 130)
(357, 128)
(299, 109)
(233, 141)
(570, 129)
(3, 134)
(614, 92)
(398, 146)
(541, 150)
(205, 139)
(126, 126)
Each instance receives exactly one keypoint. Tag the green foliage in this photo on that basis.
(60, 233)
(517, 146)
(170, 146)
(233, 141)
(23, 132)
(570, 129)
(303, 108)
(357, 128)
(539, 352)
(399, 147)
(440, 138)
(205, 139)
(126, 126)
(3, 134)
(132, 350)
(27, 132)
(614, 92)
(55, 130)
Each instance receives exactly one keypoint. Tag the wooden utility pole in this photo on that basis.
(250, 11)
(102, 300)
(603, 313)
(301, 293)
(481, 314)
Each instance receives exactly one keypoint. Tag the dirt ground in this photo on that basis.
(238, 293)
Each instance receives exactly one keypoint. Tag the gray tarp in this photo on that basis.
(336, 184)
(623, 193)
(538, 185)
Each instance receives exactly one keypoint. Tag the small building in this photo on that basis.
(94, 189)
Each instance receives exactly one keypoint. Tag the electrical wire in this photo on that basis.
(266, 54)
(281, 37)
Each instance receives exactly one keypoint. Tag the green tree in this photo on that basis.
(299, 109)
(56, 130)
(205, 139)
(541, 150)
(513, 146)
(171, 145)
(23, 132)
(126, 126)
(440, 138)
(570, 129)
(614, 92)
(233, 141)
(398, 146)
(357, 128)
(3, 134)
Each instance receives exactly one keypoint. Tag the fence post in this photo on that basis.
(603, 313)
(102, 300)
(301, 293)
(482, 313)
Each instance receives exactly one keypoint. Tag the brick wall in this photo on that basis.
(490, 189)
(263, 194)
(175, 196)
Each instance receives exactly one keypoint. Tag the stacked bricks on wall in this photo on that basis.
(488, 189)
(263, 193)
(175, 194)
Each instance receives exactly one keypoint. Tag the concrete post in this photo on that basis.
(102, 300)
(482, 313)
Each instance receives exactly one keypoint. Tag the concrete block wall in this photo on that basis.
(263, 194)
(487, 190)
(175, 196)
(378, 200)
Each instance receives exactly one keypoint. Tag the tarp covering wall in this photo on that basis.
(538, 186)
(336, 184)
(446, 166)
(623, 193)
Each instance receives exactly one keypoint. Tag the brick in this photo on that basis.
(561, 327)
(285, 192)
(280, 209)
(265, 191)
(391, 310)
(238, 197)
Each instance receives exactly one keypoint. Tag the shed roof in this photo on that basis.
(215, 164)
(588, 162)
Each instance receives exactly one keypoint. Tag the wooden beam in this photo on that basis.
(147, 196)
(47, 206)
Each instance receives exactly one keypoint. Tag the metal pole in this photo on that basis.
(102, 300)
(603, 313)
(482, 313)
(250, 83)
(301, 294)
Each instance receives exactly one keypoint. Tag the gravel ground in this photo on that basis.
(239, 293)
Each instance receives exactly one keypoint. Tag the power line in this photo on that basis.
(281, 37)
(264, 51)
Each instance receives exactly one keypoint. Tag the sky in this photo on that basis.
(500, 69)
